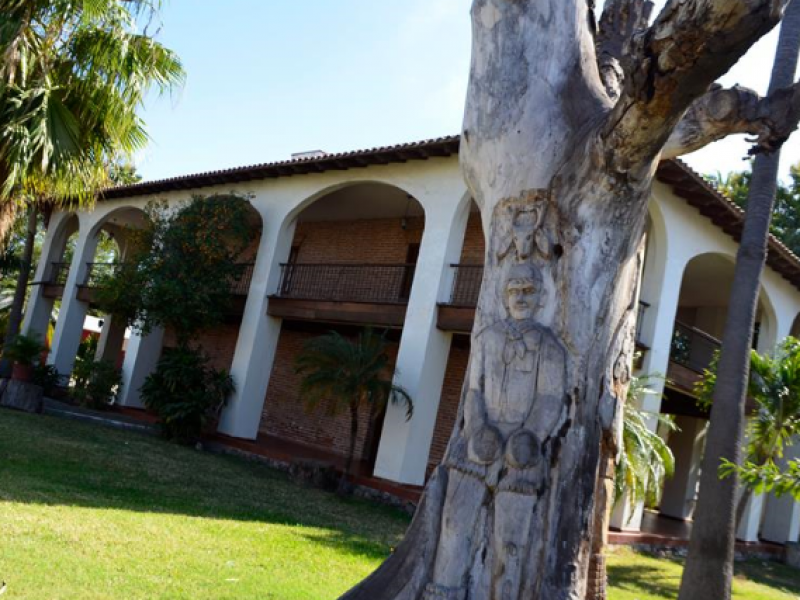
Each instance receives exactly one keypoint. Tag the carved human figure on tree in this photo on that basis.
(582, 116)
(514, 403)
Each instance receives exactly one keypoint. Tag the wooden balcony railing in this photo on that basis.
(692, 348)
(466, 285)
(377, 284)
(59, 271)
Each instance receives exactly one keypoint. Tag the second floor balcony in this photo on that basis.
(691, 352)
(357, 293)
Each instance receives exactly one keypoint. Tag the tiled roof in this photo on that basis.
(686, 183)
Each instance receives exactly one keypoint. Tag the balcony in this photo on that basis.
(53, 285)
(458, 313)
(363, 294)
(691, 352)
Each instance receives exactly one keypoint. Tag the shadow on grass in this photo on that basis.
(644, 579)
(53, 461)
(771, 574)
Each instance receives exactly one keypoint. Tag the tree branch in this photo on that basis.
(690, 45)
(724, 112)
(621, 19)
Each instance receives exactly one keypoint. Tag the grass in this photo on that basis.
(93, 513)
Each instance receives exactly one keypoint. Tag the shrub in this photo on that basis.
(24, 350)
(97, 382)
(185, 392)
(47, 377)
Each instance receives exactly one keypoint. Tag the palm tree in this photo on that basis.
(345, 374)
(774, 386)
(72, 77)
(645, 459)
(709, 565)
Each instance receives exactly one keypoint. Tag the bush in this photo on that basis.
(47, 377)
(97, 383)
(186, 393)
(24, 350)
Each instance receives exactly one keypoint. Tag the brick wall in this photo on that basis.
(473, 250)
(362, 241)
(219, 343)
(451, 396)
(284, 414)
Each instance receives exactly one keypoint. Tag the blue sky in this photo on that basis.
(270, 77)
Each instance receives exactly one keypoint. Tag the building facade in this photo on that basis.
(390, 238)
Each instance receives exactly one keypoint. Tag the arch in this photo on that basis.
(653, 278)
(795, 330)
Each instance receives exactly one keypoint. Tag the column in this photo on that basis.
(39, 309)
(69, 327)
(687, 445)
(782, 516)
(424, 349)
(112, 338)
(141, 359)
(750, 524)
(258, 333)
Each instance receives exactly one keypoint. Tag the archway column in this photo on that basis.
(141, 359)
(258, 334)
(424, 349)
(687, 444)
(39, 309)
(71, 317)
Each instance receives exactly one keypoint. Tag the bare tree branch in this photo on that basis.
(621, 19)
(691, 44)
(724, 112)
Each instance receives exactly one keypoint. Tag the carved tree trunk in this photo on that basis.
(560, 161)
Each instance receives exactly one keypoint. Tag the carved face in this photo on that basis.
(525, 222)
(522, 297)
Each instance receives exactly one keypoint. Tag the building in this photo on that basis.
(390, 237)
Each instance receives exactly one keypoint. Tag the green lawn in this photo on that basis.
(88, 512)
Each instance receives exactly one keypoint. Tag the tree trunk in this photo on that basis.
(351, 450)
(709, 565)
(15, 315)
(561, 171)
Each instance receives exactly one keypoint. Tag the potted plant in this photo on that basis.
(24, 351)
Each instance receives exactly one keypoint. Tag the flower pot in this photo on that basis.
(22, 372)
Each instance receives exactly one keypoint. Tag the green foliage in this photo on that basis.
(344, 374)
(786, 214)
(24, 350)
(47, 377)
(73, 78)
(186, 393)
(97, 382)
(341, 373)
(180, 271)
(767, 477)
(774, 386)
(645, 459)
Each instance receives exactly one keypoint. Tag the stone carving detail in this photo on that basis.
(515, 403)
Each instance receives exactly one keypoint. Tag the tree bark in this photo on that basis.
(351, 450)
(18, 303)
(709, 566)
(562, 176)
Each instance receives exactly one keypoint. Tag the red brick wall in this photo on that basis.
(284, 414)
(451, 396)
(219, 343)
(364, 241)
(473, 251)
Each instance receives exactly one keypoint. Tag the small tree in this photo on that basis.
(348, 375)
(645, 459)
(774, 386)
(179, 276)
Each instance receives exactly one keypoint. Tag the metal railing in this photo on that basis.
(466, 285)
(692, 348)
(240, 283)
(347, 282)
(59, 271)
